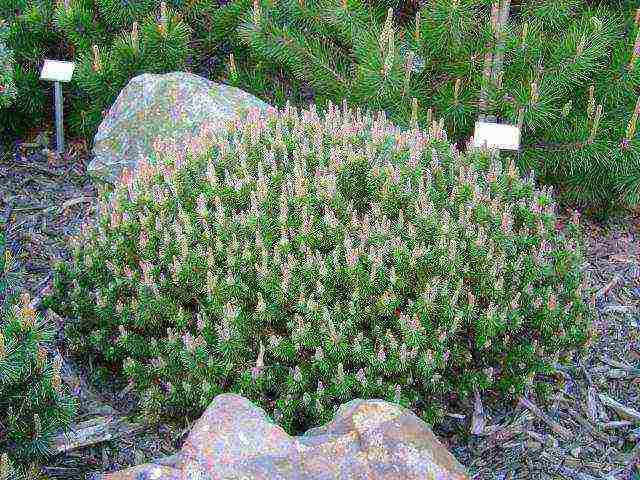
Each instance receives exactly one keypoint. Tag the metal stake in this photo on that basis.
(59, 129)
(57, 71)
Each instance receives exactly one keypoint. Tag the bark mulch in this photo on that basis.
(588, 429)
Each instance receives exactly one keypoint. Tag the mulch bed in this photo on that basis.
(588, 429)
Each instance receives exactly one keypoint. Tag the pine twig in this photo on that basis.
(493, 60)
(548, 147)
(486, 72)
(486, 78)
(555, 426)
(92, 432)
(628, 413)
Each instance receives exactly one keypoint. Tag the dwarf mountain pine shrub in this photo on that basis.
(34, 405)
(305, 260)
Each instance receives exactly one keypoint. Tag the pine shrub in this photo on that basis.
(7, 84)
(308, 259)
(34, 404)
(111, 42)
(565, 71)
(11, 272)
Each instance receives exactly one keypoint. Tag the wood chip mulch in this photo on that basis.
(589, 429)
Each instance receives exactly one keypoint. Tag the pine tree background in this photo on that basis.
(34, 404)
(7, 86)
(565, 70)
(542, 65)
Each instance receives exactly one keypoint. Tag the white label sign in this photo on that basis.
(496, 135)
(57, 71)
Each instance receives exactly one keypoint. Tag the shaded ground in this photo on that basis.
(590, 428)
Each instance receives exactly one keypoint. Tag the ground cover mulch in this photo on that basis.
(588, 429)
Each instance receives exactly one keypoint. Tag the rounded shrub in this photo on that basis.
(34, 404)
(305, 259)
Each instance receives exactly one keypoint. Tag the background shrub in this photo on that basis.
(305, 260)
(565, 71)
(7, 85)
(34, 405)
(92, 34)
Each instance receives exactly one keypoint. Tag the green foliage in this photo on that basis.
(33, 402)
(30, 38)
(7, 84)
(579, 131)
(552, 52)
(303, 260)
(10, 271)
(98, 36)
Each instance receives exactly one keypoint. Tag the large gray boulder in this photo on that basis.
(176, 110)
(367, 439)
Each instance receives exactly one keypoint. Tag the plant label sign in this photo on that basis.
(57, 71)
(496, 135)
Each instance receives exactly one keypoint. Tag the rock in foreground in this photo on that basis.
(177, 108)
(367, 439)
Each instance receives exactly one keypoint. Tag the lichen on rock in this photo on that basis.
(370, 439)
(176, 108)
